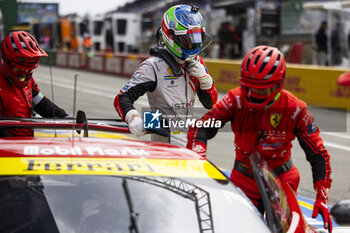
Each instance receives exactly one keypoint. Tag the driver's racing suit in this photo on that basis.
(270, 133)
(171, 95)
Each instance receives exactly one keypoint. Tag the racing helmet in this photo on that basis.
(262, 74)
(20, 54)
(183, 31)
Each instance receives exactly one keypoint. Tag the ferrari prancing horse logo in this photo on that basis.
(275, 119)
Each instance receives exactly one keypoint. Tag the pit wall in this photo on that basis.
(314, 84)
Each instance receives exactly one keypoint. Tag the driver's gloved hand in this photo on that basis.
(135, 123)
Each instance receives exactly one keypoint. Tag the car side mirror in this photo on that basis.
(341, 212)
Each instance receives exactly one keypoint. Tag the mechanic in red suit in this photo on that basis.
(19, 93)
(265, 119)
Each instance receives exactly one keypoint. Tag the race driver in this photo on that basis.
(19, 94)
(265, 119)
(172, 76)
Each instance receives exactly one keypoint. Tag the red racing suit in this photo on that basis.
(19, 102)
(270, 133)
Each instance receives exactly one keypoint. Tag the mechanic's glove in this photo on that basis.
(197, 70)
(200, 148)
(135, 123)
(321, 205)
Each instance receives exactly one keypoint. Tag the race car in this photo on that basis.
(82, 184)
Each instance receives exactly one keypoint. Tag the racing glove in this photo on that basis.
(321, 205)
(135, 123)
(197, 70)
(46, 108)
(200, 148)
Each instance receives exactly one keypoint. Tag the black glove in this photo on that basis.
(46, 108)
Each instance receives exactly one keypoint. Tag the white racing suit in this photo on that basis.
(169, 94)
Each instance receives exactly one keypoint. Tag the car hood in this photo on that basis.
(91, 156)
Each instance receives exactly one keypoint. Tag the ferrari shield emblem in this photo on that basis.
(275, 119)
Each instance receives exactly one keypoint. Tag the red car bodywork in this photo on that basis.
(298, 223)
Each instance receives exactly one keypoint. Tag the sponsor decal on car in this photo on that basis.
(82, 150)
(108, 166)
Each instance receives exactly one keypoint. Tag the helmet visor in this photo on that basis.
(192, 40)
(20, 74)
(19, 70)
(259, 95)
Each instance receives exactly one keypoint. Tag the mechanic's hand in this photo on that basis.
(200, 148)
(197, 70)
(321, 205)
(135, 123)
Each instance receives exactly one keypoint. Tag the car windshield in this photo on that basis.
(89, 203)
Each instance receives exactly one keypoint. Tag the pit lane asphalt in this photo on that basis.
(96, 92)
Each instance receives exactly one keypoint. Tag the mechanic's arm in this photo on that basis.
(142, 81)
(43, 106)
(223, 111)
(3, 131)
(207, 93)
(308, 135)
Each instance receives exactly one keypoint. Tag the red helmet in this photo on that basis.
(262, 75)
(20, 54)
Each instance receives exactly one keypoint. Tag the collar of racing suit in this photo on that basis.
(168, 58)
